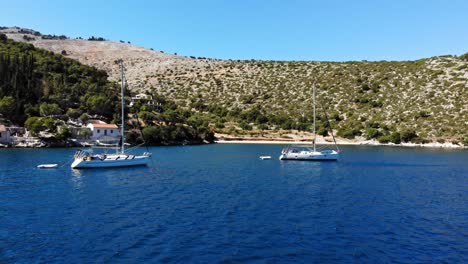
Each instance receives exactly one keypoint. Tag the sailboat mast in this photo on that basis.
(123, 104)
(314, 116)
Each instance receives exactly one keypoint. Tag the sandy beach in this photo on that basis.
(227, 139)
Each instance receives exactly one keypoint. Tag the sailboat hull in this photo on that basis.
(310, 155)
(110, 161)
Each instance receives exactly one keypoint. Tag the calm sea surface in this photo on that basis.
(221, 203)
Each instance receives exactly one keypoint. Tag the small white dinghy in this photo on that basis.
(265, 157)
(47, 166)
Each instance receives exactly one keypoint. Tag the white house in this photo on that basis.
(142, 96)
(5, 137)
(104, 131)
(145, 99)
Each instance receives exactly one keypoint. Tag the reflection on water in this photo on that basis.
(76, 179)
(76, 173)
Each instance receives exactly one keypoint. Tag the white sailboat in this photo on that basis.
(86, 159)
(311, 153)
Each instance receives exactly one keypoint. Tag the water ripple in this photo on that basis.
(222, 204)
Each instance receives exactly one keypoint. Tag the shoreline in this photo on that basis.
(339, 142)
(278, 141)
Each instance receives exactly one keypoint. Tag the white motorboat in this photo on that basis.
(86, 159)
(311, 153)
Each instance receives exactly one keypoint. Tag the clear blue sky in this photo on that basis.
(334, 30)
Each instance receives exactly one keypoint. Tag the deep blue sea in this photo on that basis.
(222, 204)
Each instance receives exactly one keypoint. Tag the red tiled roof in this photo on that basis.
(105, 125)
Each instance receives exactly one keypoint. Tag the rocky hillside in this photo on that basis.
(427, 96)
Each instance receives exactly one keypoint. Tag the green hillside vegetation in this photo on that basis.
(390, 101)
(42, 90)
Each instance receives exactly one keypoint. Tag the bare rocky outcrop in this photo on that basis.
(142, 65)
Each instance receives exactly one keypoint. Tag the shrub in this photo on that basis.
(384, 139)
(152, 135)
(147, 117)
(261, 119)
(395, 138)
(302, 126)
(348, 133)
(46, 109)
(336, 116)
(205, 134)
(377, 103)
(245, 126)
(464, 57)
(84, 117)
(3, 38)
(420, 140)
(50, 123)
(423, 114)
(74, 113)
(371, 133)
(133, 137)
(7, 105)
(288, 124)
(64, 132)
(323, 131)
(34, 124)
(220, 125)
(408, 135)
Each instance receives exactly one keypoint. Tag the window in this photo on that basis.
(112, 131)
(99, 131)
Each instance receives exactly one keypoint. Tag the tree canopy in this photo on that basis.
(38, 88)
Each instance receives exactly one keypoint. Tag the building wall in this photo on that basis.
(5, 137)
(98, 132)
